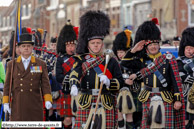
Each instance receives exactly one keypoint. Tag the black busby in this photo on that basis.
(149, 32)
(166, 42)
(54, 39)
(66, 36)
(123, 41)
(26, 38)
(177, 38)
(186, 40)
(93, 25)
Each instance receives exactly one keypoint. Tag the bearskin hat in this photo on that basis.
(149, 32)
(123, 41)
(177, 38)
(66, 36)
(93, 25)
(53, 39)
(165, 42)
(186, 40)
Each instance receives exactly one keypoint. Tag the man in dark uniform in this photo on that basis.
(88, 74)
(186, 71)
(50, 58)
(127, 101)
(30, 81)
(66, 47)
(162, 98)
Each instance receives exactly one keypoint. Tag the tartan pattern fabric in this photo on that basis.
(63, 104)
(169, 114)
(82, 116)
(68, 65)
(57, 103)
(137, 103)
(158, 63)
(66, 109)
(180, 114)
(88, 65)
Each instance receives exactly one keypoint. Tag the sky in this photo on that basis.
(5, 2)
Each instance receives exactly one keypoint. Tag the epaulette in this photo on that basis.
(79, 56)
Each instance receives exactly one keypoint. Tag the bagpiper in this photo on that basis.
(161, 96)
(186, 71)
(66, 47)
(127, 100)
(89, 74)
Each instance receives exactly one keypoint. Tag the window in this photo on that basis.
(161, 16)
(8, 21)
(118, 20)
(54, 27)
(29, 9)
(12, 21)
(4, 20)
(24, 10)
(192, 14)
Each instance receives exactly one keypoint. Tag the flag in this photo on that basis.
(19, 21)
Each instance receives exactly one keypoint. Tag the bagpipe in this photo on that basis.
(40, 47)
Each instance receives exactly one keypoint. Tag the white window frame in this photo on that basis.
(189, 15)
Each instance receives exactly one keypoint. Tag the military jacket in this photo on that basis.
(91, 80)
(129, 66)
(28, 88)
(63, 78)
(167, 86)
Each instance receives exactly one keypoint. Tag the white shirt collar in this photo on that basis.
(28, 59)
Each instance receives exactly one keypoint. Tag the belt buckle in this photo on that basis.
(94, 105)
(95, 91)
(155, 90)
(156, 98)
(151, 65)
(188, 61)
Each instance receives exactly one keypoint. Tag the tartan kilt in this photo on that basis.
(82, 115)
(57, 103)
(137, 103)
(169, 114)
(63, 104)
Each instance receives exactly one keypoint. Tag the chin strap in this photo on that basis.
(97, 53)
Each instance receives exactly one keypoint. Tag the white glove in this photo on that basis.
(6, 108)
(74, 90)
(48, 105)
(189, 79)
(105, 80)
